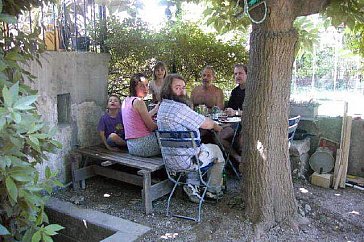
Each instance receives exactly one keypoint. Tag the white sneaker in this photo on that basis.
(192, 192)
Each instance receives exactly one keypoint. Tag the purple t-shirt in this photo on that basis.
(110, 125)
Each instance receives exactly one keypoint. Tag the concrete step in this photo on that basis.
(90, 225)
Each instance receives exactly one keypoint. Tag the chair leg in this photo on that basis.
(171, 194)
(200, 205)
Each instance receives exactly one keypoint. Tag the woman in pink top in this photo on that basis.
(138, 123)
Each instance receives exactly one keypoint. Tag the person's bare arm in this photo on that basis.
(154, 110)
(210, 124)
(140, 106)
(220, 99)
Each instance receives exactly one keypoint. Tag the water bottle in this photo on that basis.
(215, 112)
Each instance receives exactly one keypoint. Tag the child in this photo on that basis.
(155, 86)
(111, 127)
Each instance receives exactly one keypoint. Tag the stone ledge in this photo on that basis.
(90, 225)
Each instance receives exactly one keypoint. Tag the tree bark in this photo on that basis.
(268, 183)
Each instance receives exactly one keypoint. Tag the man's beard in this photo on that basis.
(181, 99)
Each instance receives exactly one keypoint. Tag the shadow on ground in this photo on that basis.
(334, 215)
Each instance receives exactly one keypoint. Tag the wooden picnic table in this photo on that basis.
(152, 189)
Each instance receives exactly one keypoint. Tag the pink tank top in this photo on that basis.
(134, 125)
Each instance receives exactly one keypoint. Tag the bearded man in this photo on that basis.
(175, 114)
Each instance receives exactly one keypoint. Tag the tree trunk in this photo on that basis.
(268, 182)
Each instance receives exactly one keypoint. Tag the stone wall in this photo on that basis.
(72, 89)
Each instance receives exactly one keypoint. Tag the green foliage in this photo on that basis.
(323, 61)
(24, 139)
(349, 12)
(225, 16)
(308, 33)
(354, 39)
(184, 47)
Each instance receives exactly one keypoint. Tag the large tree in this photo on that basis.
(267, 182)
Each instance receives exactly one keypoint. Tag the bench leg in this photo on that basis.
(147, 198)
(75, 165)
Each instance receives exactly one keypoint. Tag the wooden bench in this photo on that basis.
(145, 167)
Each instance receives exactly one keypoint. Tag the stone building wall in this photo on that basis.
(72, 89)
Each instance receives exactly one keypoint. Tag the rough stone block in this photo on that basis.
(300, 166)
(321, 180)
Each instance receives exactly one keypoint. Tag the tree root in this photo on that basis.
(260, 229)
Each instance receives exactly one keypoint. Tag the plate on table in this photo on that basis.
(231, 120)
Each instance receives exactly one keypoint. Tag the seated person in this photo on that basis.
(175, 114)
(138, 122)
(207, 93)
(110, 126)
(234, 107)
(237, 96)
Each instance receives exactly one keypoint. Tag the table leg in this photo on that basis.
(227, 153)
(147, 198)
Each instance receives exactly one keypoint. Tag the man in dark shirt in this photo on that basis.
(234, 108)
(236, 99)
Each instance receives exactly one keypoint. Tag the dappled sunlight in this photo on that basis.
(303, 190)
(354, 212)
(169, 236)
(107, 195)
(337, 194)
(260, 149)
(84, 223)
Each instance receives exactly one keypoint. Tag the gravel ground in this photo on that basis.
(333, 215)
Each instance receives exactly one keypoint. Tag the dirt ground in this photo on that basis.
(333, 215)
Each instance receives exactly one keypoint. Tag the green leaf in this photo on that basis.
(34, 189)
(53, 228)
(3, 65)
(5, 161)
(56, 143)
(14, 90)
(48, 172)
(2, 122)
(36, 177)
(11, 187)
(12, 55)
(39, 219)
(24, 103)
(40, 136)
(58, 183)
(3, 77)
(16, 117)
(36, 237)
(45, 218)
(22, 177)
(3, 230)
(8, 99)
(35, 127)
(47, 238)
(34, 140)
